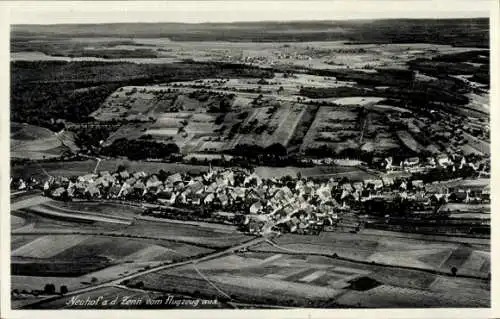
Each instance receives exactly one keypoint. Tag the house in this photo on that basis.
(357, 186)
(124, 174)
(212, 188)
(195, 186)
(253, 178)
(197, 199)
(87, 178)
(140, 175)
(131, 181)
(175, 178)
(459, 196)
(347, 187)
(324, 193)
(125, 190)
(256, 208)
(417, 183)
(403, 185)
(114, 190)
(485, 194)
(443, 160)
(387, 181)
(153, 182)
(104, 174)
(93, 191)
(209, 199)
(224, 199)
(102, 182)
(58, 192)
(412, 161)
(22, 184)
(377, 183)
(431, 161)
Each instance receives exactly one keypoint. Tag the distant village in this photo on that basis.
(288, 204)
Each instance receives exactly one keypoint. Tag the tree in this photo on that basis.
(93, 280)
(63, 290)
(454, 271)
(49, 289)
(162, 175)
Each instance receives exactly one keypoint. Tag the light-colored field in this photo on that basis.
(130, 250)
(34, 142)
(28, 202)
(421, 253)
(389, 297)
(99, 209)
(60, 213)
(256, 275)
(187, 233)
(16, 222)
(459, 207)
(48, 246)
(362, 101)
(317, 172)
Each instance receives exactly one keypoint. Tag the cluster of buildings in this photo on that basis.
(285, 205)
(418, 165)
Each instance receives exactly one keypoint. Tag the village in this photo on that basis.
(289, 204)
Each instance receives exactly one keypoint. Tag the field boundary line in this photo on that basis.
(374, 263)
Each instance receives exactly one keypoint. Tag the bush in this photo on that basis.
(63, 290)
(49, 289)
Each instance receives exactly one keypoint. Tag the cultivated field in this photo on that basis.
(416, 253)
(337, 129)
(301, 280)
(317, 172)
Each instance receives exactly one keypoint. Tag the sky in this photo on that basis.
(57, 12)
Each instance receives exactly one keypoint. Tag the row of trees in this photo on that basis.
(140, 149)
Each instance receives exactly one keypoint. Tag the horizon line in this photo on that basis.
(249, 21)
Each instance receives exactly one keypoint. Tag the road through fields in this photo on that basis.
(154, 269)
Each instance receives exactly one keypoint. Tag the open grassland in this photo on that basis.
(120, 211)
(211, 237)
(130, 250)
(34, 142)
(317, 172)
(16, 222)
